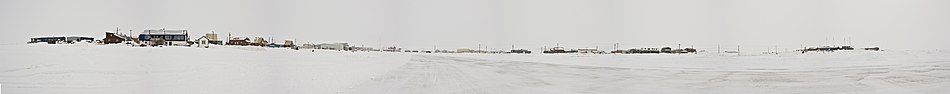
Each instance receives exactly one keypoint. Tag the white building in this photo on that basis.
(333, 46)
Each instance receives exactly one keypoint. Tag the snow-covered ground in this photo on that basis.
(117, 69)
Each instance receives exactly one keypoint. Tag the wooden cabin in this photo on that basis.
(242, 41)
(112, 38)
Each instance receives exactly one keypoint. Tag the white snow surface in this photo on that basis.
(118, 69)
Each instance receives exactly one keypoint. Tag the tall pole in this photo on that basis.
(804, 49)
(616, 46)
(479, 47)
(379, 42)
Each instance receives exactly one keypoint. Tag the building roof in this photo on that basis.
(164, 32)
(239, 38)
(59, 36)
(47, 37)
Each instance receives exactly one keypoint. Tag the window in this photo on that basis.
(180, 38)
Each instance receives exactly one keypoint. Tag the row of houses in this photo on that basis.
(655, 50)
(828, 48)
(149, 37)
(162, 37)
(67, 39)
(462, 50)
(647, 50)
(332, 46)
(174, 37)
(180, 37)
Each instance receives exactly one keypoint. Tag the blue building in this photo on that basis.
(165, 37)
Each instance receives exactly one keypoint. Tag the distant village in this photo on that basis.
(180, 37)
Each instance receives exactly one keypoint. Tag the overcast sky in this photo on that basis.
(531, 24)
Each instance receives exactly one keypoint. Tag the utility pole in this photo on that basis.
(776, 49)
(804, 49)
(543, 48)
(617, 46)
(844, 40)
(379, 42)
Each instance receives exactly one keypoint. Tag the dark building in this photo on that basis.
(55, 40)
(243, 41)
(873, 48)
(847, 47)
(48, 40)
(520, 51)
(666, 50)
(111, 38)
(165, 37)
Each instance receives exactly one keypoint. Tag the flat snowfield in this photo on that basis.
(118, 69)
